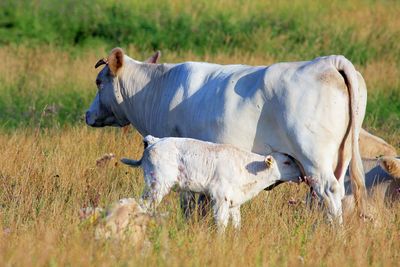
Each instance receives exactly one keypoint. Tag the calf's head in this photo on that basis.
(283, 167)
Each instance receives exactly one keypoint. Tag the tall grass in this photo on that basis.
(51, 83)
(45, 177)
(48, 161)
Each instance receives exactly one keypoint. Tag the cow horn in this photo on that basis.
(100, 62)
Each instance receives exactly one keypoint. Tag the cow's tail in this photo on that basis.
(131, 162)
(349, 73)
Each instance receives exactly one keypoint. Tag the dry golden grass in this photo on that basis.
(46, 176)
(47, 67)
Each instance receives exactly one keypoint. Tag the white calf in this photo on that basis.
(230, 176)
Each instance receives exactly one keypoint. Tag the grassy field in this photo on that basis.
(46, 177)
(48, 161)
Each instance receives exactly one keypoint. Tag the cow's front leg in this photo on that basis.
(328, 190)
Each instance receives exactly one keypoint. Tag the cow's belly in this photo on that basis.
(233, 121)
(259, 134)
(249, 125)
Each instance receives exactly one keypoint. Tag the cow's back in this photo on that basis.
(254, 108)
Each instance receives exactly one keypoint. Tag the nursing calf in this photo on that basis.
(230, 176)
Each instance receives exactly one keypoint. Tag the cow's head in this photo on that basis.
(106, 110)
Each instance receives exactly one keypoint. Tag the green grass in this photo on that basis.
(383, 109)
(19, 109)
(249, 32)
(47, 176)
(287, 30)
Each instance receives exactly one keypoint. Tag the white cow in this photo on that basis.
(371, 146)
(230, 176)
(310, 110)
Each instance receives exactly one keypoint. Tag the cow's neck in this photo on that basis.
(140, 87)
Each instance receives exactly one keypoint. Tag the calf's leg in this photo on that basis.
(221, 215)
(235, 215)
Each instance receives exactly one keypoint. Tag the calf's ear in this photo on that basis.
(391, 165)
(154, 58)
(116, 60)
(269, 161)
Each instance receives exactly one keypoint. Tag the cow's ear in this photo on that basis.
(116, 60)
(269, 161)
(154, 58)
(391, 165)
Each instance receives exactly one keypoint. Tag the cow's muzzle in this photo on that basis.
(90, 120)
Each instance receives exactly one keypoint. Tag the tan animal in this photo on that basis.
(391, 165)
(125, 219)
(382, 180)
(372, 146)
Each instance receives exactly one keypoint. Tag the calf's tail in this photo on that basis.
(147, 141)
(131, 162)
